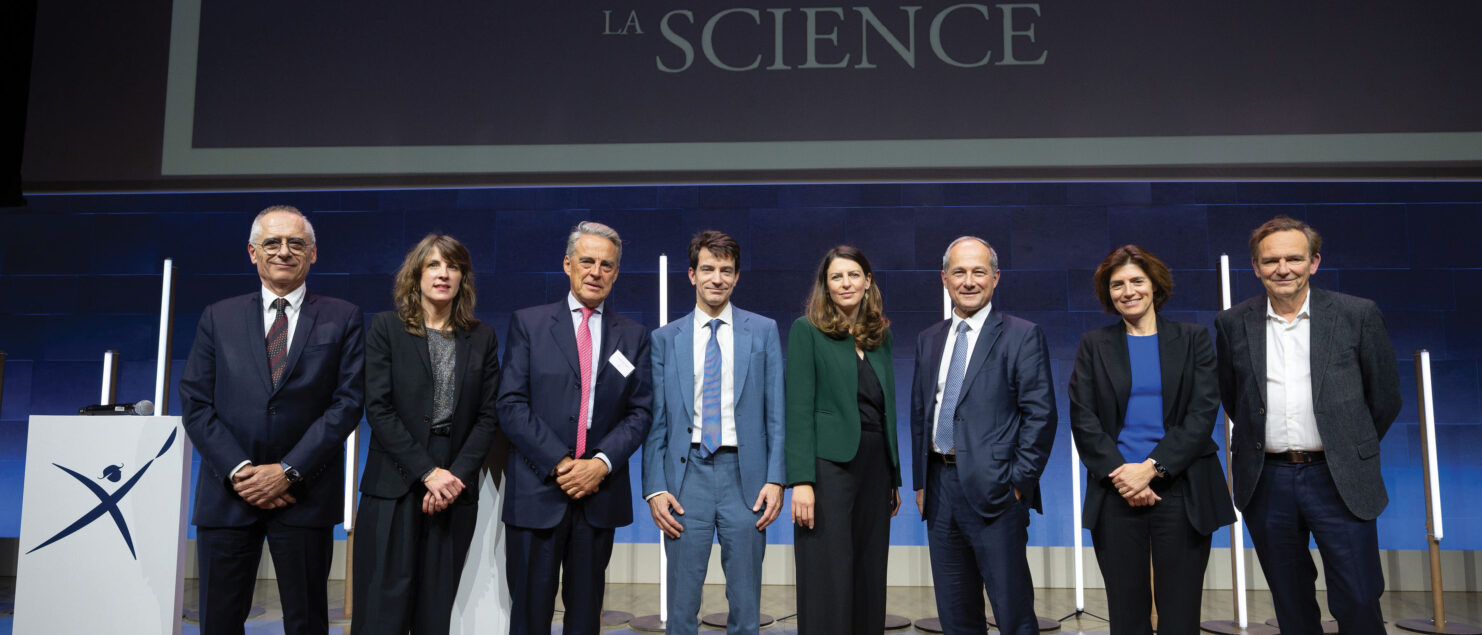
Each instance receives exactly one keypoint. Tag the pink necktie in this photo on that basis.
(584, 357)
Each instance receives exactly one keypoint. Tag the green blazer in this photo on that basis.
(823, 400)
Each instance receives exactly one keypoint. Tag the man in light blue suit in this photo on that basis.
(713, 462)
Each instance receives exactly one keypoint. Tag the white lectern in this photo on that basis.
(102, 545)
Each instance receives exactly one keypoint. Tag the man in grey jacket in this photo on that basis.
(1309, 378)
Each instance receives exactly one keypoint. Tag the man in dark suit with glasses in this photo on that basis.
(273, 385)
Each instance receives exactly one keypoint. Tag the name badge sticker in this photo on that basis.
(621, 363)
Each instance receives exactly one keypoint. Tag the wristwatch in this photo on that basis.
(291, 474)
(1158, 467)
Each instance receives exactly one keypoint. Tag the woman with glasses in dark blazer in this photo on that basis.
(842, 462)
(431, 376)
(1143, 401)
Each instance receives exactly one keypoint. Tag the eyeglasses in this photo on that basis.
(296, 246)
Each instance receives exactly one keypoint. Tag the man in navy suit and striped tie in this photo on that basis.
(272, 387)
(713, 461)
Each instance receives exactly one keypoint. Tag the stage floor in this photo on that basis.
(910, 602)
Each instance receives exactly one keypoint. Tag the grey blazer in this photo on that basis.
(1355, 392)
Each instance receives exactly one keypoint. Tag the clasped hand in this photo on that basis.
(263, 486)
(442, 489)
(580, 478)
(1132, 481)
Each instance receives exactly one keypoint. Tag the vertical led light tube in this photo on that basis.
(1075, 524)
(1237, 530)
(110, 378)
(352, 465)
(663, 549)
(167, 320)
(1432, 470)
(1437, 623)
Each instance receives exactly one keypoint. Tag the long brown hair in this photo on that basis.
(407, 291)
(868, 327)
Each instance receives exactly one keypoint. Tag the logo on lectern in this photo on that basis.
(113, 473)
(107, 502)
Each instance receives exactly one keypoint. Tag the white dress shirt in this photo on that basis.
(594, 325)
(726, 338)
(1290, 422)
(974, 328)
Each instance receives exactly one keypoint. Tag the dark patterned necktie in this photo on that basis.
(277, 341)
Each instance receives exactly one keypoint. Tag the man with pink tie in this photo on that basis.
(574, 401)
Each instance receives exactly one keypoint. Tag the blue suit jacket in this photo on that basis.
(539, 396)
(233, 414)
(1005, 421)
(758, 404)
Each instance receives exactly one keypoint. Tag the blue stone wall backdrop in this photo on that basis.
(78, 275)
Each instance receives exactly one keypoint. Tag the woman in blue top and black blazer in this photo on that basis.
(1143, 401)
(842, 462)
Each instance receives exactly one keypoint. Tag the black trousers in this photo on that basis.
(227, 560)
(841, 561)
(407, 564)
(1125, 538)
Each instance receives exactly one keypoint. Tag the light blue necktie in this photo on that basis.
(710, 394)
(955, 370)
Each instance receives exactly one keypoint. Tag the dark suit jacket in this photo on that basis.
(1099, 388)
(233, 414)
(1355, 392)
(758, 404)
(539, 394)
(823, 400)
(1005, 421)
(398, 406)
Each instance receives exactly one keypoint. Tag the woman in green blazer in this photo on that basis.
(842, 462)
